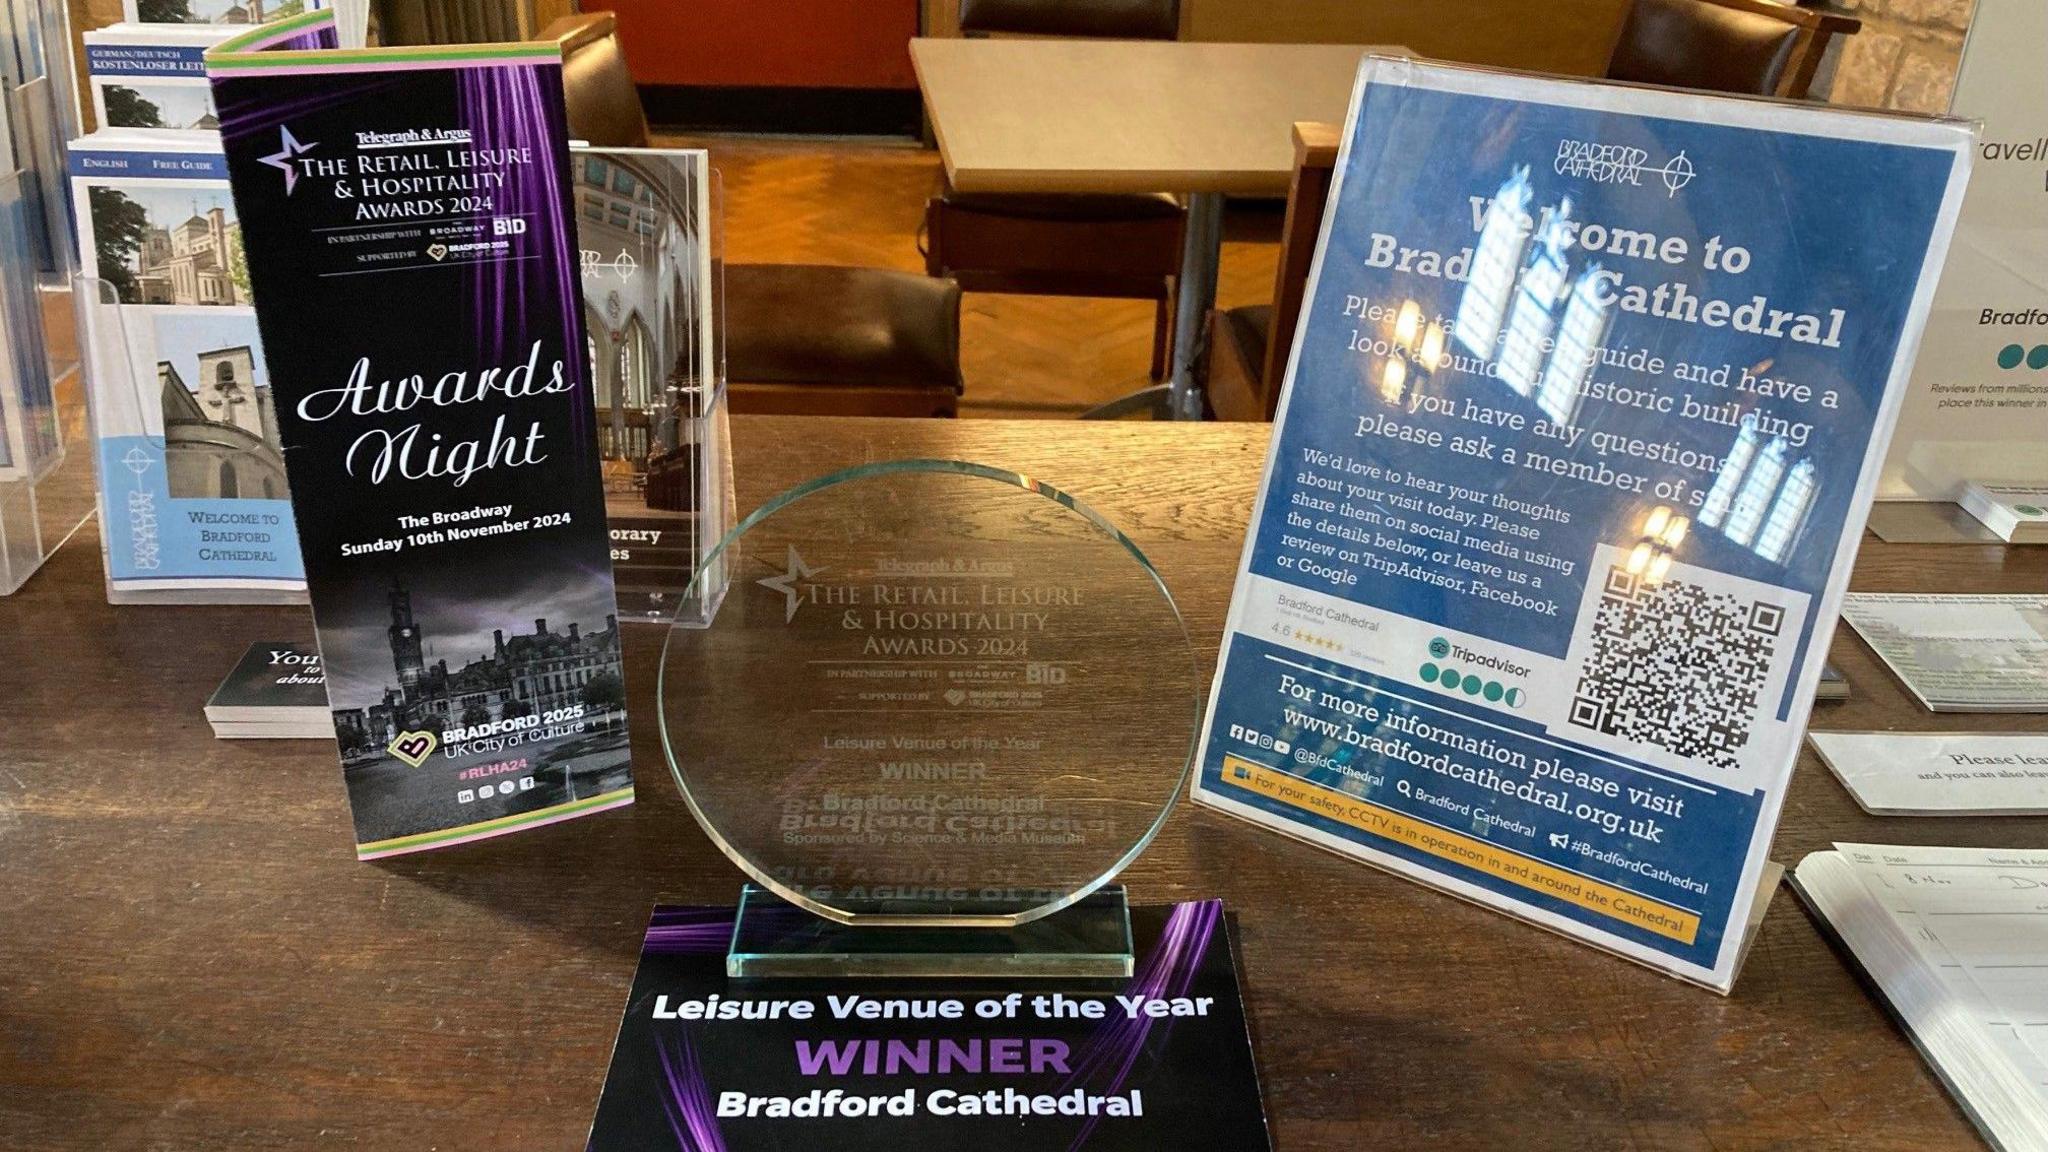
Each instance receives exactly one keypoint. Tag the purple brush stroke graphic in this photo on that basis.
(689, 931)
(687, 1104)
(318, 36)
(256, 115)
(520, 106)
(1168, 972)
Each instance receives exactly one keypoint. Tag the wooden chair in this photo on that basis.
(1748, 47)
(1125, 246)
(811, 340)
(603, 105)
(800, 339)
(1249, 346)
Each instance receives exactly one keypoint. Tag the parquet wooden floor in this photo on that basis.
(860, 203)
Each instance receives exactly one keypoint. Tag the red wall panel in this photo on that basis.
(767, 43)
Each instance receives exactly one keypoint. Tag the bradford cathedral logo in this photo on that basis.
(1620, 164)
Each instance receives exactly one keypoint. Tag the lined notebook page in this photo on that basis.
(1980, 919)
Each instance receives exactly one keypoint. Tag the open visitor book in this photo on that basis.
(1954, 943)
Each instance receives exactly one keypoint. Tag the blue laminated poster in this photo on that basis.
(1582, 420)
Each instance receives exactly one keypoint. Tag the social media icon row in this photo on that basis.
(501, 788)
(1262, 739)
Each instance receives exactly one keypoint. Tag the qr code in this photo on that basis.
(1676, 666)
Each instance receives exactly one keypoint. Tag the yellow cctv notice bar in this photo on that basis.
(1478, 855)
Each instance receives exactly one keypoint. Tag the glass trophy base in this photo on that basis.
(1089, 940)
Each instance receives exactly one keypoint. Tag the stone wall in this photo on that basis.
(1905, 57)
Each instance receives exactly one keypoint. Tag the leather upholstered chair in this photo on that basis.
(1249, 346)
(1104, 19)
(1126, 246)
(1748, 47)
(804, 339)
(603, 105)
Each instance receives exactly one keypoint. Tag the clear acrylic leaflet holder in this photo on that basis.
(41, 500)
(653, 278)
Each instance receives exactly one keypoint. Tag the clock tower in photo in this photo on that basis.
(405, 644)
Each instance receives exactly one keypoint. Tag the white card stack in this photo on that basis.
(2017, 512)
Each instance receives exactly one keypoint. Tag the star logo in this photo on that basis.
(785, 583)
(281, 159)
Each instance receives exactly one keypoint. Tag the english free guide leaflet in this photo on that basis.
(406, 214)
(1583, 419)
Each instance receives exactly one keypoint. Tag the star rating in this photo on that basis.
(1307, 639)
(282, 158)
(785, 583)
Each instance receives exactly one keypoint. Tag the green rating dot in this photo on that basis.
(2037, 357)
(1429, 673)
(1473, 684)
(2011, 355)
(1494, 691)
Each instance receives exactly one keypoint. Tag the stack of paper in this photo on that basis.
(1960, 653)
(2017, 512)
(1954, 941)
(278, 691)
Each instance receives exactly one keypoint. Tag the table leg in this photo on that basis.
(1180, 398)
(1195, 295)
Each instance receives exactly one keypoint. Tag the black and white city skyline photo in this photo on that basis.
(457, 622)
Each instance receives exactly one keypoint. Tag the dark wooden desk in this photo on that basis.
(190, 958)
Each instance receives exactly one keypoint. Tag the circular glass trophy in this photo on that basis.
(941, 707)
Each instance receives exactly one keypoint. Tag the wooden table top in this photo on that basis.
(1126, 115)
(190, 956)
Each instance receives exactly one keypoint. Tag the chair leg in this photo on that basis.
(1162, 335)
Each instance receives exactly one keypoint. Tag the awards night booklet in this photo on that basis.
(1582, 423)
(707, 1064)
(406, 216)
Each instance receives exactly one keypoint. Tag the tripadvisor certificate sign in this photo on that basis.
(406, 218)
(1583, 420)
(1978, 406)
